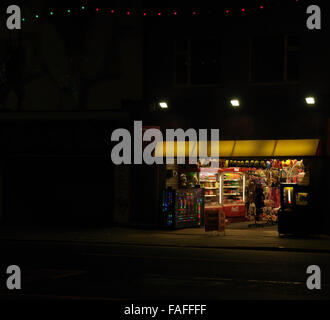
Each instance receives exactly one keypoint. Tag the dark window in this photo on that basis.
(293, 58)
(275, 59)
(197, 61)
(182, 62)
(267, 59)
(205, 61)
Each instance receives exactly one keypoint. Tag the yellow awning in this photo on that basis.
(241, 148)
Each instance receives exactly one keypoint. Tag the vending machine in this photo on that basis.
(232, 193)
(294, 217)
(183, 208)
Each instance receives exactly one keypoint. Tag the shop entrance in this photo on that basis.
(250, 190)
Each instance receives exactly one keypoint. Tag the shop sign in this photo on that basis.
(215, 219)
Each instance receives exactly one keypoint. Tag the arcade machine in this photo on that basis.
(182, 208)
(294, 217)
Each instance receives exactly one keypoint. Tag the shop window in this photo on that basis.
(274, 59)
(197, 61)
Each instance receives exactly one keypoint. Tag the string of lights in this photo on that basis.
(84, 9)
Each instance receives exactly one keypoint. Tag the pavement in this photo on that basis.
(235, 237)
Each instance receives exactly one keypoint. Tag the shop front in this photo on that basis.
(252, 181)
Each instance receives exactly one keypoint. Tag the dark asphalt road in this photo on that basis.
(129, 272)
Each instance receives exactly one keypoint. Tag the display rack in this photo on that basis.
(231, 188)
(209, 181)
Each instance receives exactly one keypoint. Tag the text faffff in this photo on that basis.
(121, 153)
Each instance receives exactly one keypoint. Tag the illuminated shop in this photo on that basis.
(252, 180)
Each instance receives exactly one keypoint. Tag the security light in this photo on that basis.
(234, 102)
(163, 105)
(310, 100)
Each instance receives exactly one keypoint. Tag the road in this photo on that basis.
(120, 272)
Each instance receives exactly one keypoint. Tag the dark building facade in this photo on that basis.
(265, 56)
(79, 77)
(68, 78)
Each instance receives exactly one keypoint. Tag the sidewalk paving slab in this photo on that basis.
(251, 239)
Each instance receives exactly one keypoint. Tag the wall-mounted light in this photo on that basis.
(163, 105)
(234, 102)
(310, 100)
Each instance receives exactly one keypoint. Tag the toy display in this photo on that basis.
(247, 189)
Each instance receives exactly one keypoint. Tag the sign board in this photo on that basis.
(215, 219)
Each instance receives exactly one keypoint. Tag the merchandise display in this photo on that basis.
(248, 190)
(182, 208)
(232, 188)
(209, 181)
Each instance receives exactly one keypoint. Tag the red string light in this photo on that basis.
(149, 12)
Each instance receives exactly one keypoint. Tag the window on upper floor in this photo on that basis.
(293, 58)
(198, 61)
(274, 59)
